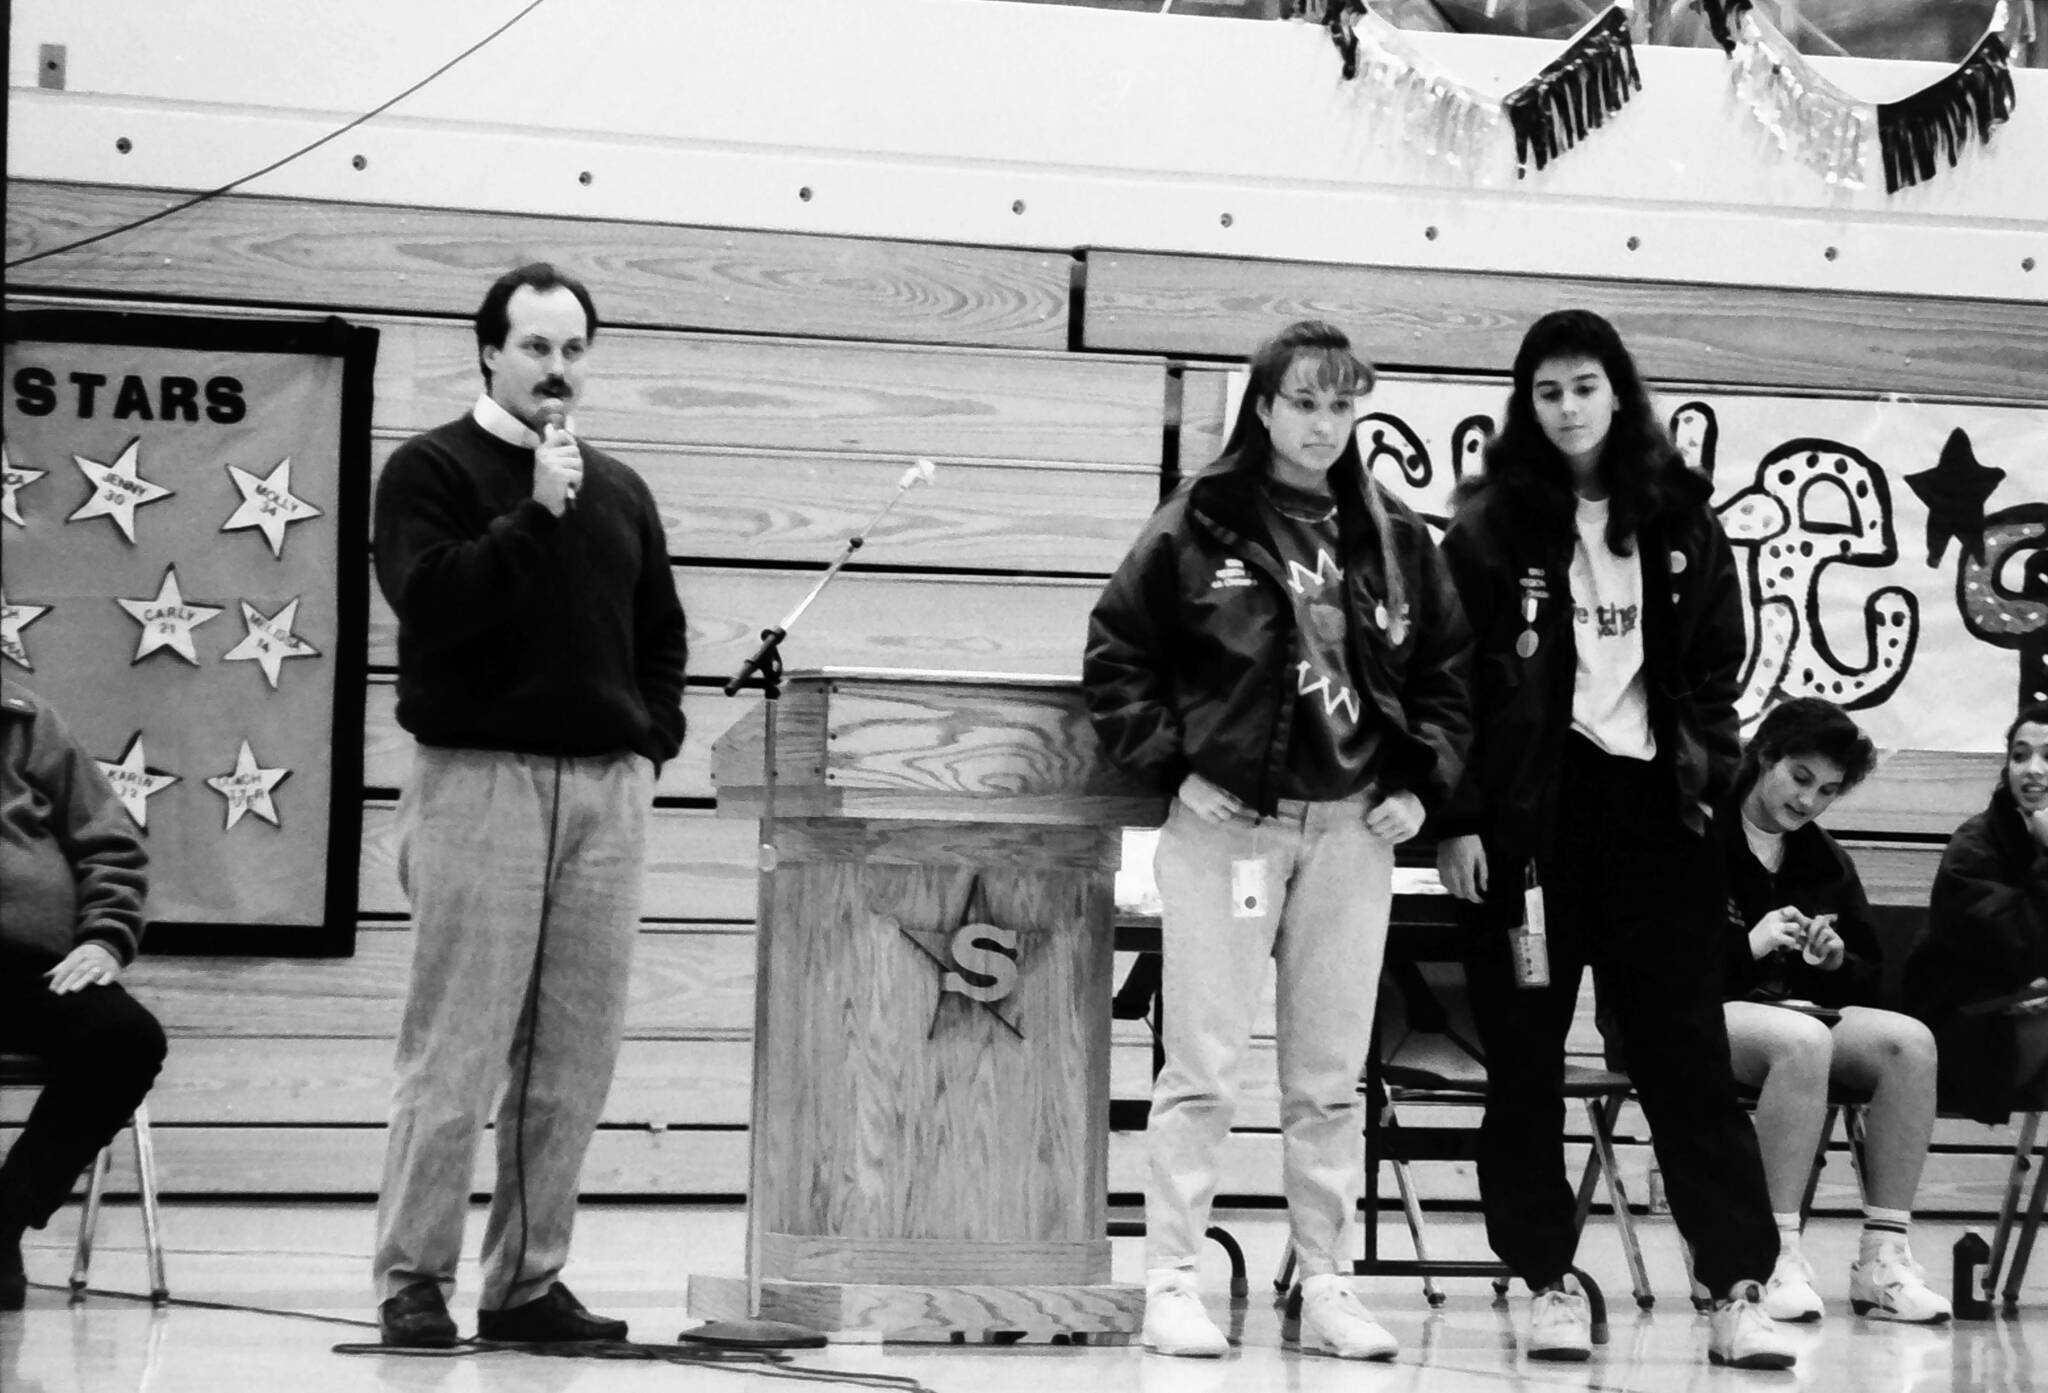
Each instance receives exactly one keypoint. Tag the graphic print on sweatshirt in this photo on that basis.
(1609, 706)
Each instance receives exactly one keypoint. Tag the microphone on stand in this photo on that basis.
(552, 416)
(767, 659)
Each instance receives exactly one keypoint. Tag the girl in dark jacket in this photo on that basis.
(1281, 652)
(1987, 937)
(1801, 931)
(1608, 636)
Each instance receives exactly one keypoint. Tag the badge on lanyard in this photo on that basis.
(1248, 888)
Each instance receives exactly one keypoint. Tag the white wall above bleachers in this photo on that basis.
(939, 119)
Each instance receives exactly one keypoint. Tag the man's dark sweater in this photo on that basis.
(518, 630)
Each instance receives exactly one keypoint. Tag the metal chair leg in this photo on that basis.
(88, 1221)
(2015, 1179)
(1412, 1207)
(2024, 1249)
(145, 1184)
(1283, 1280)
(1617, 1194)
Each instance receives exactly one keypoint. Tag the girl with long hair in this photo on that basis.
(1281, 652)
(1608, 637)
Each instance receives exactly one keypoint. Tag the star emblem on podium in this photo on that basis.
(268, 503)
(937, 945)
(12, 482)
(117, 489)
(134, 781)
(167, 620)
(247, 788)
(13, 619)
(270, 640)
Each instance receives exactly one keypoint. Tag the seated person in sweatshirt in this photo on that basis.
(1979, 975)
(71, 906)
(1801, 932)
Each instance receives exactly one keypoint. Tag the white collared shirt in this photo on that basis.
(496, 420)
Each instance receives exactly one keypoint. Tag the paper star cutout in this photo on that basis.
(268, 503)
(116, 490)
(134, 781)
(270, 640)
(167, 621)
(1954, 492)
(248, 788)
(13, 619)
(12, 481)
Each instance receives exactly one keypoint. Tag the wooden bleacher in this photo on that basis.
(771, 387)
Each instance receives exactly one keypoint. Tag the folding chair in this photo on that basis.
(1425, 1054)
(29, 1071)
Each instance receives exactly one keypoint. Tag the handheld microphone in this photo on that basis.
(553, 415)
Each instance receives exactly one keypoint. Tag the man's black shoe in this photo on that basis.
(557, 1318)
(417, 1318)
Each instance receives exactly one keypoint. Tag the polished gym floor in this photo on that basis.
(262, 1294)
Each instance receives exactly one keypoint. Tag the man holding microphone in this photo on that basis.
(541, 651)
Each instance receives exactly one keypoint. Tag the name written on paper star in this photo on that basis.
(12, 482)
(270, 640)
(167, 620)
(134, 781)
(248, 788)
(268, 503)
(117, 489)
(13, 619)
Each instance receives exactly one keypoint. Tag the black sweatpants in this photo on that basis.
(103, 1049)
(1630, 892)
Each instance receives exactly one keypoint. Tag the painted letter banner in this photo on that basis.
(1893, 551)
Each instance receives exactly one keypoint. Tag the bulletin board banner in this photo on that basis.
(1893, 552)
(185, 514)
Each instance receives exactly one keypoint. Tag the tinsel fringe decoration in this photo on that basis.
(1829, 128)
(1939, 119)
(1575, 93)
(1722, 18)
(1407, 98)
(1805, 115)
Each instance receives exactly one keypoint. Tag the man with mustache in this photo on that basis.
(541, 650)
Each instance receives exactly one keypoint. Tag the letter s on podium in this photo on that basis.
(986, 952)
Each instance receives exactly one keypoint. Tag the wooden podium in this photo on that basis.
(931, 1027)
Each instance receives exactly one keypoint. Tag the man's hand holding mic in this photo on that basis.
(557, 463)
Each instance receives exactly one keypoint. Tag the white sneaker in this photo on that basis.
(1175, 1322)
(1559, 1326)
(1741, 1335)
(1789, 1294)
(1335, 1321)
(1891, 1286)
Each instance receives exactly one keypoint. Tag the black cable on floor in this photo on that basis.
(767, 1363)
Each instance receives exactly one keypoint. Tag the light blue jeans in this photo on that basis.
(474, 829)
(1328, 888)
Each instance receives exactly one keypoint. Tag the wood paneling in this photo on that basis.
(388, 750)
(298, 1081)
(698, 866)
(795, 394)
(641, 1162)
(779, 506)
(1679, 333)
(693, 983)
(1919, 792)
(338, 257)
(863, 619)
(1204, 398)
